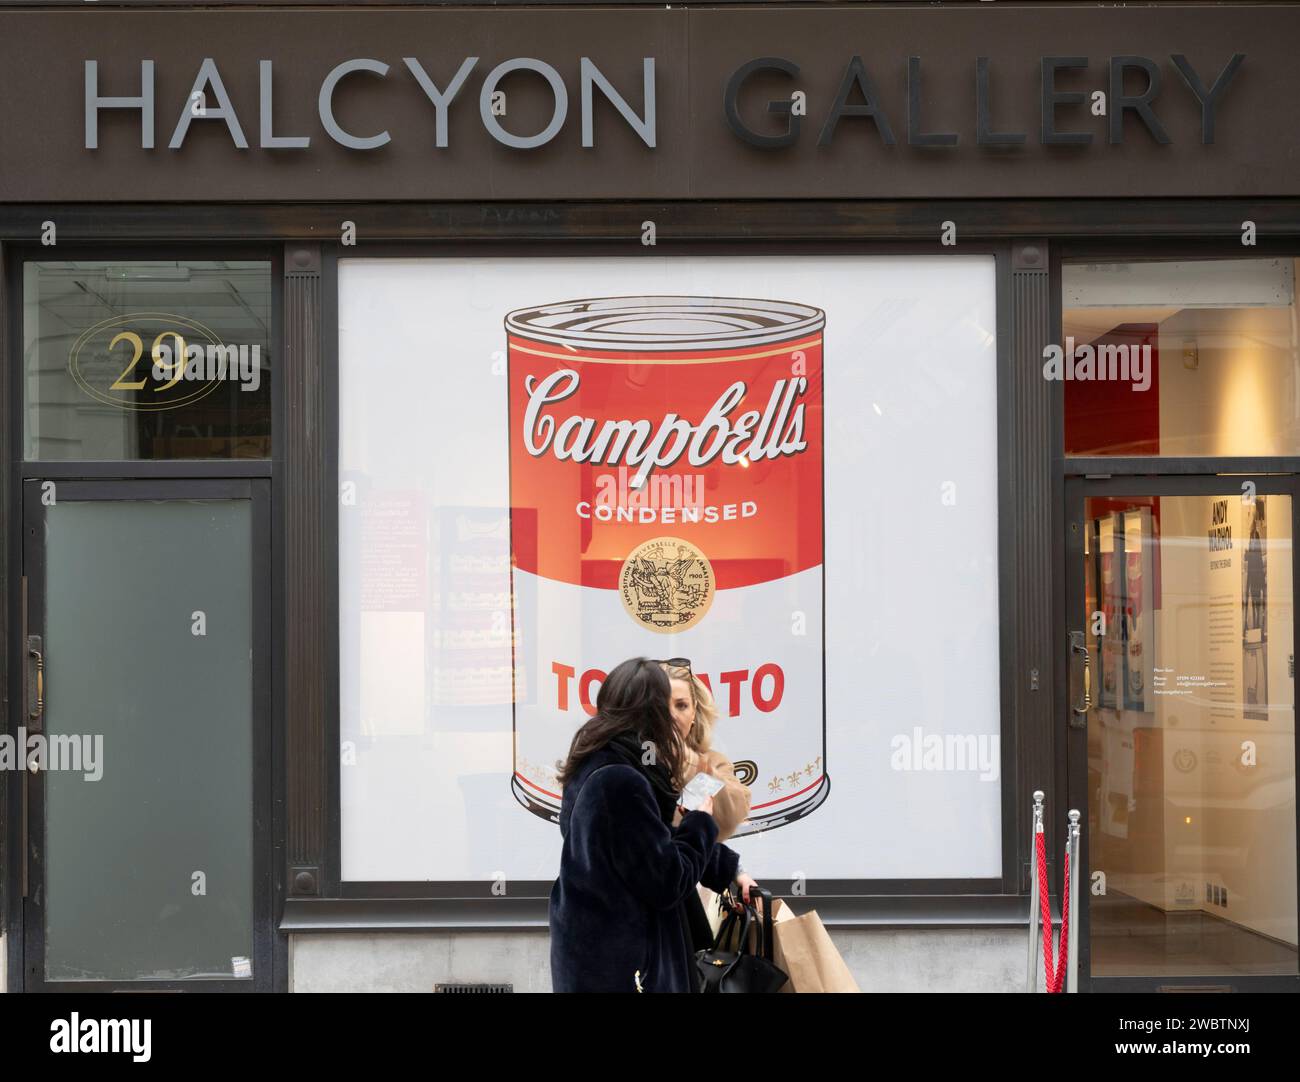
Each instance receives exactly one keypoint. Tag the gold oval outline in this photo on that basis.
(160, 317)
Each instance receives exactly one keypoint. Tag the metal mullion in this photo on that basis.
(148, 469)
(1099, 466)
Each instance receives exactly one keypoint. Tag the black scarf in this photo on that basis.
(627, 745)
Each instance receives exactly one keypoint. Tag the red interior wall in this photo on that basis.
(1104, 417)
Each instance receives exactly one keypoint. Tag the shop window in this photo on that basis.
(128, 360)
(1180, 358)
(784, 469)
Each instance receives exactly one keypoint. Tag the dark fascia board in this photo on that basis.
(566, 3)
(1206, 220)
(530, 914)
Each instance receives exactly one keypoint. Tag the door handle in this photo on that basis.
(36, 663)
(1079, 711)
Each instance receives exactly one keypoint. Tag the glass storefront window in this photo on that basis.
(1181, 358)
(147, 360)
(601, 457)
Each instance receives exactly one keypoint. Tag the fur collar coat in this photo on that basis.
(618, 913)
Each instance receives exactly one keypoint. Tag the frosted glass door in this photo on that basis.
(147, 636)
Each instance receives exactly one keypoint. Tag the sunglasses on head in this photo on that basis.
(676, 662)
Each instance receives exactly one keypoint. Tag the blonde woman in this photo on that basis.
(695, 713)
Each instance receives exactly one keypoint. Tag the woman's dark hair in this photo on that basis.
(633, 698)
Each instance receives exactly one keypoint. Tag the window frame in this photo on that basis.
(1121, 473)
(20, 255)
(470, 903)
(1030, 236)
(15, 470)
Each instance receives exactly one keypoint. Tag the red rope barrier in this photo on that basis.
(1064, 952)
(1045, 905)
(1053, 976)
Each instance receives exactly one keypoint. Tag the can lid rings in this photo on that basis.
(665, 323)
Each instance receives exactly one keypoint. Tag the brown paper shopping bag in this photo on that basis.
(712, 910)
(803, 948)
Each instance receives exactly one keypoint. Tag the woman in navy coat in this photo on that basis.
(620, 910)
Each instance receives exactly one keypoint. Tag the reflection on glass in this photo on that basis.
(147, 360)
(1191, 736)
(1180, 358)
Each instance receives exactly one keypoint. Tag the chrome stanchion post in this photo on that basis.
(1072, 843)
(1034, 927)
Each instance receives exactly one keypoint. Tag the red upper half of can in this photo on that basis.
(636, 418)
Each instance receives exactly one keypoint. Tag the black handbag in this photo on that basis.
(741, 970)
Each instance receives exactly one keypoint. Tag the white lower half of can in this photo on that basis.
(778, 747)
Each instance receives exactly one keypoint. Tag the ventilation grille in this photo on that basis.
(1195, 988)
(463, 987)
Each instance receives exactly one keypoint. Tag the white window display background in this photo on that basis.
(911, 633)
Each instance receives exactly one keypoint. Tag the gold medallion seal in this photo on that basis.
(666, 584)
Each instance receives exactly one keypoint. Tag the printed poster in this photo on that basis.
(1254, 610)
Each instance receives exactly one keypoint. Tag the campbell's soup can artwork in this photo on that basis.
(666, 501)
